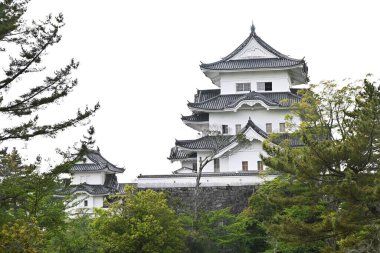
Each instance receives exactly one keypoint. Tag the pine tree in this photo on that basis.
(327, 197)
(32, 40)
(27, 196)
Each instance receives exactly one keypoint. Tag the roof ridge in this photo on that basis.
(261, 42)
(255, 127)
(272, 50)
(102, 163)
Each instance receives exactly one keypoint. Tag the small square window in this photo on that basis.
(264, 86)
(282, 127)
(85, 203)
(244, 165)
(268, 86)
(260, 86)
(237, 128)
(269, 127)
(224, 129)
(243, 87)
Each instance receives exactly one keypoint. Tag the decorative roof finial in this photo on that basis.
(253, 28)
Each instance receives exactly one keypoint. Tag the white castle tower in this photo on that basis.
(93, 179)
(256, 85)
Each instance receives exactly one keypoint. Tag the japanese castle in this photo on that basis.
(255, 87)
(93, 179)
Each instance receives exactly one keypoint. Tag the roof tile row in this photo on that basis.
(221, 102)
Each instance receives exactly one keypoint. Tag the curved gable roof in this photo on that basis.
(276, 60)
(99, 164)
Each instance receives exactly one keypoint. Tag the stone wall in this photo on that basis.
(210, 198)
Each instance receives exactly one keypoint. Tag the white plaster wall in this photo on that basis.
(80, 197)
(97, 201)
(210, 166)
(280, 80)
(77, 205)
(224, 163)
(205, 181)
(251, 155)
(260, 117)
(89, 178)
(233, 162)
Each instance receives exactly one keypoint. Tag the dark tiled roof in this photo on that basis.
(221, 102)
(218, 142)
(281, 97)
(282, 61)
(196, 117)
(91, 189)
(203, 95)
(252, 125)
(176, 154)
(99, 163)
(266, 63)
(88, 167)
(293, 141)
(206, 143)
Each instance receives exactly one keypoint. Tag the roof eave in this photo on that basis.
(190, 149)
(194, 109)
(182, 159)
(91, 194)
(195, 122)
(204, 69)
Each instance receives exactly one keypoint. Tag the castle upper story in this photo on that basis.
(256, 66)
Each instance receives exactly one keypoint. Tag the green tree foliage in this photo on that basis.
(30, 41)
(221, 231)
(25, 193)
(76, 236)
(27, 201)
(139, 222)
(21, 236)
(327, 199)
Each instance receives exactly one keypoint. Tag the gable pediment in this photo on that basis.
(85, 160)
(251, 135)
(253, 50)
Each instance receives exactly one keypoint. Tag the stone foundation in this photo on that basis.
(210, 198)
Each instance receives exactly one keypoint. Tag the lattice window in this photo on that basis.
(243, 87)
(244, 165)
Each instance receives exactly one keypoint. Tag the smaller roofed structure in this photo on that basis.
(93, 179)
(94, 161)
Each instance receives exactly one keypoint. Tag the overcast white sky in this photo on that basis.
(140, 59)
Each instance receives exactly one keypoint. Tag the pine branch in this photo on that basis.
(30, 129)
